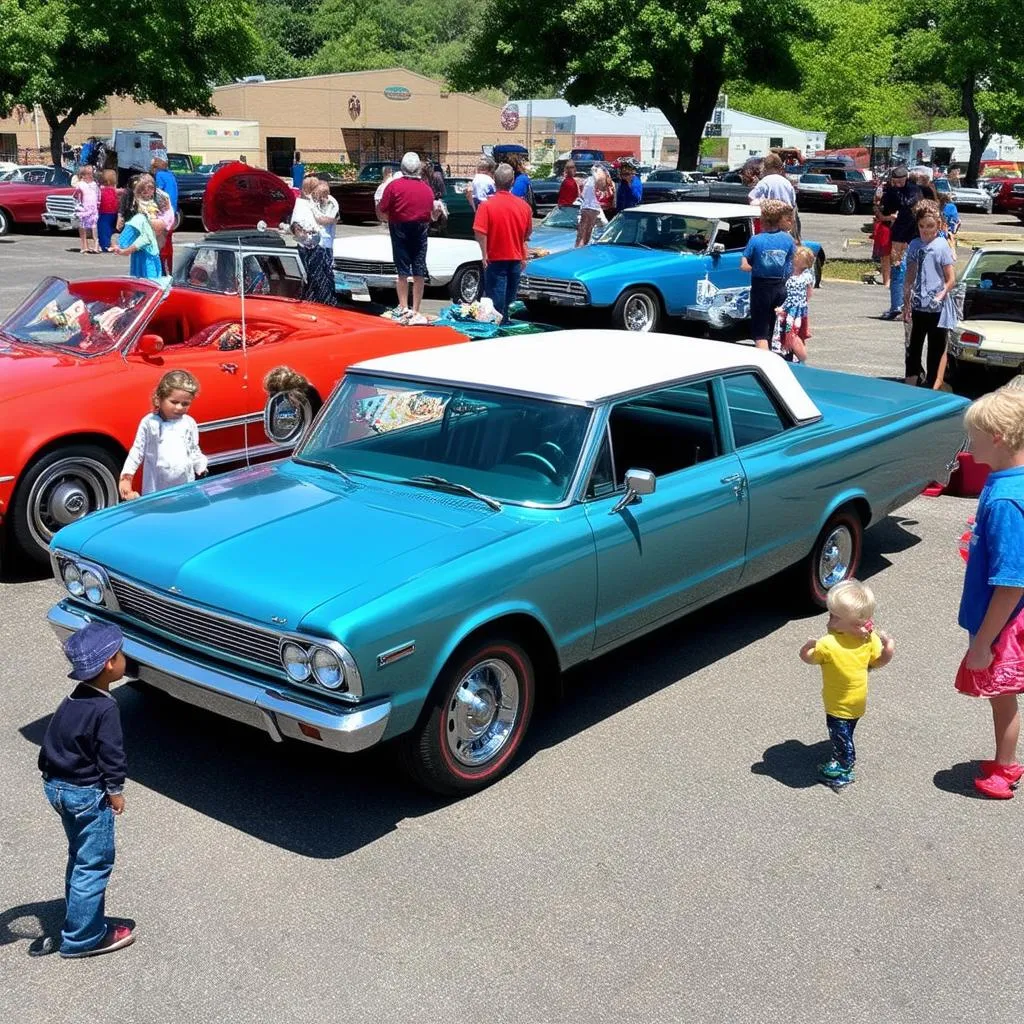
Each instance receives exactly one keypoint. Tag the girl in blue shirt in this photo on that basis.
(992, 605)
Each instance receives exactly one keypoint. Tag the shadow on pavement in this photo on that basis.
(959, 780)
(794, 763)
(324, 805)
(31, 922)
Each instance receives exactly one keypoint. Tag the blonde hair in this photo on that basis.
(284, 378)
(773, 210)
(141, 182)
(805, 254)
(999, 413)
(852, 600)
(110, 177)
(175, 380)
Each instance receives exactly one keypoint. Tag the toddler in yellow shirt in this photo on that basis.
(845, 654)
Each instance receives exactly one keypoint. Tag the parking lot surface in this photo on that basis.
(661, 851)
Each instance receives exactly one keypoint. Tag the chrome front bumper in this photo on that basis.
(65, 222)
(989, 357)
(240, 699)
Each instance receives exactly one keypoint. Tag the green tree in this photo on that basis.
(673, 55)
(70, 55)
(977, 49)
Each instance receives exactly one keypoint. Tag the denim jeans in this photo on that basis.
(897, 275)
(89, 825)
(501, 282)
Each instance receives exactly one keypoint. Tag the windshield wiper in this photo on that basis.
(322, 464)
(429, 480)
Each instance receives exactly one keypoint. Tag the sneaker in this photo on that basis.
(837, 784)
(416, 320)
(995, 787)
(834, 770)
(117, 937)
(1011, 772)
(892, 314)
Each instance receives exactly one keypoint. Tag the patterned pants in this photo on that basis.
(319, 267)
(840, 732)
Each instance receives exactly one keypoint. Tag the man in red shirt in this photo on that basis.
(502, 225)
(407, 206)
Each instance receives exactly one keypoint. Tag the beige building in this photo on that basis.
(354, 118)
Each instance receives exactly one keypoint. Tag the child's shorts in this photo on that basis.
(1005, 674)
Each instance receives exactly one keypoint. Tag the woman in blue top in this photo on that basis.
(521, 185)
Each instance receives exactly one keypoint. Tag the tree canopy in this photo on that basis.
(673, 55)
(68, 56)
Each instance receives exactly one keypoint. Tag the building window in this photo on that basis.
(775, 142)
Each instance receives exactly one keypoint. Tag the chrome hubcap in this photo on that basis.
(482, 712)
(65, 492)
(834, 564)
(470, 286)
(639, 313)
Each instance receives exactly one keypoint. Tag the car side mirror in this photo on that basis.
(286, 416)
(150, 345)
(717, 248)
(638, 483)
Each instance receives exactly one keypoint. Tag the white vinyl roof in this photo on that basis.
(712, 211)
(588, 367)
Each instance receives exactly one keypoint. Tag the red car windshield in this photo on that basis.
(88, 318)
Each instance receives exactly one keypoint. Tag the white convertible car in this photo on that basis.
(364, 264)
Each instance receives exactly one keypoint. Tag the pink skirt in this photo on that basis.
(1005, 674)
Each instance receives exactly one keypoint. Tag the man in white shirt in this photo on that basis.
(774, 184)
(482, 185)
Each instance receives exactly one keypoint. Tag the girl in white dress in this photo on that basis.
(167, 441)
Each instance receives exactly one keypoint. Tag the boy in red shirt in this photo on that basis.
(501, 226)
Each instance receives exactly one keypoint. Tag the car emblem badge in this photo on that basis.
(174, 590)
(389, 657)
(279, 619)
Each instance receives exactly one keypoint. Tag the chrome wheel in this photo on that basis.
(469, 285)
(64, 492)
(836, 555)
(482, 712)
(639, 313)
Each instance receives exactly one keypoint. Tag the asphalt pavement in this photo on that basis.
(661, 851)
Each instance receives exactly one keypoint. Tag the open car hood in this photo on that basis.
(238, 197)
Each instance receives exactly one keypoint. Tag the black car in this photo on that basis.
(664, 187)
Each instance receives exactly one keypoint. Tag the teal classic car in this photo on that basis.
(654, 262)
(463, 523)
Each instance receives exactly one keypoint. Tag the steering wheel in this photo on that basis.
(535, 461)
(554, 453)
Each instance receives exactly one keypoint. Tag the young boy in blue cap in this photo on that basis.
(83, 765)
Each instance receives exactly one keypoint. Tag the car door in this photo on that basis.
(784, 494)
(682, 545)
(733, 234)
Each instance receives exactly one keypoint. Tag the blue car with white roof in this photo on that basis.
(461, 524)
(654, 262)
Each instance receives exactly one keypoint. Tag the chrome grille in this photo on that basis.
(571, 292)
(368, 268)
(60, 204)
(195, 627)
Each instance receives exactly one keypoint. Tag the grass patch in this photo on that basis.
(846, 270)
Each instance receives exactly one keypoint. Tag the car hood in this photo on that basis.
(598, 261)
(14, 191)
(276, 541)
(238, 197)
(553, 239)
(28, 369)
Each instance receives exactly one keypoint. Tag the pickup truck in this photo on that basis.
(853, 191)
(661, 187)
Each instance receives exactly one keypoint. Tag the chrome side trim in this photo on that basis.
(389, 657)
(255, 451)
(231, 421)
(7, 479)
(231, 696)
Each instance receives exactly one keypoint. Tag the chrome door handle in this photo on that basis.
(739, 483)
(229, 367)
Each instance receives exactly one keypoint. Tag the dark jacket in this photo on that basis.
(83, 744)
(902, 201)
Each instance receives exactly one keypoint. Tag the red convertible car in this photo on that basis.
(79, 362)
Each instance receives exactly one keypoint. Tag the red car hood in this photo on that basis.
(19, 191)
(27, 369)
(238, 197)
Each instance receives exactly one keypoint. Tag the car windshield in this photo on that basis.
(374, 172)
(814, 179)
(669, 176)
(87, 318)
(673, 232)
(941, 185)
(507, 447)
(993, 286)
(562, 217)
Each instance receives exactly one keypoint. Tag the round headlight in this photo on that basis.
(73, 579)
(327, 668)
(296, 662)
(93, 586)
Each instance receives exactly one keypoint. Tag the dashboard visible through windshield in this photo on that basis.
(673, 232)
